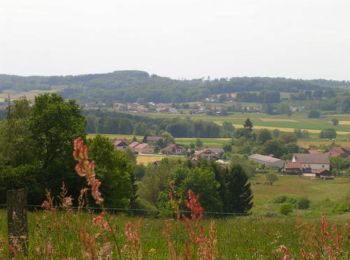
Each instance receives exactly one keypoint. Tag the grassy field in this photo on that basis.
(60, 235)
(146, 159)
(324, 195)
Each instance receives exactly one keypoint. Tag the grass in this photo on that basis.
(238, 237)
(324, 195)
(146, 159)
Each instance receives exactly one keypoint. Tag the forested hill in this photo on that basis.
(131, 86)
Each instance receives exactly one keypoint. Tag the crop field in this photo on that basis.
(283, 123)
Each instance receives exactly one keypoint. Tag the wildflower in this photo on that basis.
(86, 168)
(152, 252)
(101, 222)
(48, 203)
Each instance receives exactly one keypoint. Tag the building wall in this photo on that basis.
(317, 166)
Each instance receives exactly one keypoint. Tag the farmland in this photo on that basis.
(283, 123)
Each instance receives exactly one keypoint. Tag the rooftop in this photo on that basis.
(264, 158)
(311, 158)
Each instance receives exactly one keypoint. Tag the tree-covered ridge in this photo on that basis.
(132, 86)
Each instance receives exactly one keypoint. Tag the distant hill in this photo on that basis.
(131, 86)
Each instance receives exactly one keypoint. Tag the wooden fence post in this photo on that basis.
(17, 220)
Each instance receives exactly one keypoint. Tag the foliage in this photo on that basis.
(271, 178)
(314, 114)
(238, 194)
(114, 170)
(286, 208)
(328, 133)
(303, 203)
(335, 121)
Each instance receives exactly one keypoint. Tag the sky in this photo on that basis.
(177, 38)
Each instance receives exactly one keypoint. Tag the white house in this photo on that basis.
(312, 162)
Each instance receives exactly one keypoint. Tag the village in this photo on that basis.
(314, 164)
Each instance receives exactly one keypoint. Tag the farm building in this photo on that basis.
(152, 139)
(312, 163)
(339, 152)
(208, 154)
(293, 168)
(137, 147)
(174, 149)
(120, 144)
(267, 160)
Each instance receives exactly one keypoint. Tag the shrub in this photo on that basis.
(341, 208)
(280, 199)
(314, 114)
(329, 133)
(285, 199)
(303, 203)
(286, 208)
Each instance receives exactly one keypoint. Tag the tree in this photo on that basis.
(167, 138)
(248, 124)
(199, 143)
(239, 196)
(115, 171)
(274, 147)
(263, 135)
(314, 114)
(271, 178)
(228, 128)
(203, 183)
(16, 142)
(54, 124)
(329, 133)
(335, 121)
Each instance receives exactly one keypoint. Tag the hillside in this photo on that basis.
(132, 86)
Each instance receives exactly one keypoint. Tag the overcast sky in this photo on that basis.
(177, 38)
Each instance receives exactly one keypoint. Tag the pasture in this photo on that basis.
(324, 195)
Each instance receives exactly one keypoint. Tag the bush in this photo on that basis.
(314, 114)
(286, 208)
(280, 199)
(285, 199)
(329, 133)
(341, 208)
(303, 203)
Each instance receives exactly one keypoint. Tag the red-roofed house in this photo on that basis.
(293, 168)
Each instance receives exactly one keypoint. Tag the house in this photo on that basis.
(137, 147)
(208, 154)
(267, 160)
(152, 139)
(133, 145)
(324, 174)
(120, 144)
(174, 149)
(339, 152)
(293, 168)
(144, 148)
(312, 163)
